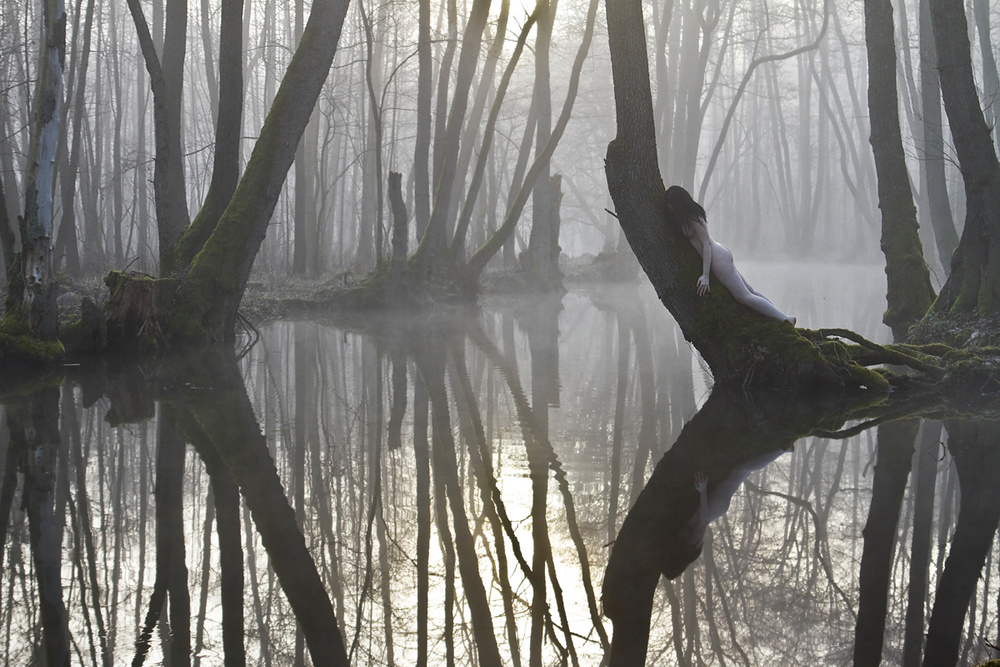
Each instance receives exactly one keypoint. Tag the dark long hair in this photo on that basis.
(682, 210)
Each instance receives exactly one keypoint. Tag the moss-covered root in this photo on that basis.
(18, 345)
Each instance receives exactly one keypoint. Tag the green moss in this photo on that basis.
(30, 349)
(14, 323)
(988, 302)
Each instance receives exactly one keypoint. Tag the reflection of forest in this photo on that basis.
(451, 491)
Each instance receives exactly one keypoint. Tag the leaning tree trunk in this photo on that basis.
(740, 346)
(974, 283)
(909, 293)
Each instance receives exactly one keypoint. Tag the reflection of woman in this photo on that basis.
(711, 506)
(717, 259)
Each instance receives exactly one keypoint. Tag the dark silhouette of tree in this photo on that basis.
(974, 283)
(909, 293)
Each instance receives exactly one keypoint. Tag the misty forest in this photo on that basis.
(399, 332)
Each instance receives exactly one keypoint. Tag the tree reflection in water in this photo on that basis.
(444, 490)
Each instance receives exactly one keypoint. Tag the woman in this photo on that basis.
(717, 259)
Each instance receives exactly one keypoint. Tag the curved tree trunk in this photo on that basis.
(974, 283)
(740, 346)
(477, 263)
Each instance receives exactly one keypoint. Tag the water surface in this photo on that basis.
(462, 488)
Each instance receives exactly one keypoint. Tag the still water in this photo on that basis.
(511, 486)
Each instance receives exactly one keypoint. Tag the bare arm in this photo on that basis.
(701, 523)
(704, 241)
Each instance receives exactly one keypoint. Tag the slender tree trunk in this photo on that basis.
(540, 251)
(67, 244)
(895, 455)
(434, 238)
(920, 552)
(909, 293)
(445, 462)
(515, 206)
(400, 234)
(485, 150)
(421, 151)
(421, 455)
(34, 430)
(303, 161)
(373, 184)
(226, 165)
(167, 82)
(117, 203)
(930, 140)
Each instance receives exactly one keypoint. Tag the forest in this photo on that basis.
(365, 333)
(762, 114)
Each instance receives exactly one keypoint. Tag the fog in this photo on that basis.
(776, 147)
(326, 342)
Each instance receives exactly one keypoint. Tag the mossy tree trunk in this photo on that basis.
(909, 292)
(740, 346)
(204, 273)
(226, 164)
(974, 283)
(209, 295)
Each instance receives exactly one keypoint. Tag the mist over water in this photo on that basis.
(551, 442)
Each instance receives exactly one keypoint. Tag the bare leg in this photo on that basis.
(748, 286)
(725, 271)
